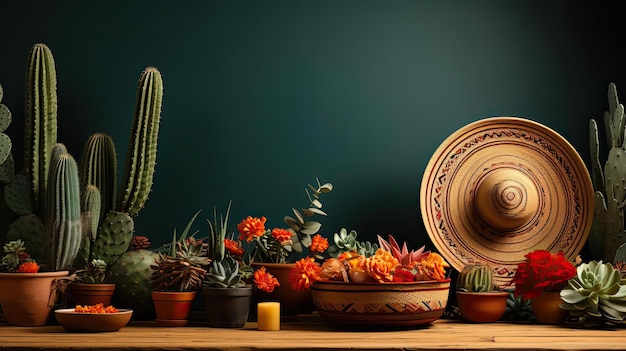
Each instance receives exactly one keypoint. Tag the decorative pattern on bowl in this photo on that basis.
(378, 304)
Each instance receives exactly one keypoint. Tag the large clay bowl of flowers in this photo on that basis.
(381, 304)
(74, 321)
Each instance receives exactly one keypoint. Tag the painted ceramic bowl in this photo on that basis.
(92, 322)
(376, 304)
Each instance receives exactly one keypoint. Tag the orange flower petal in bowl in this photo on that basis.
(93, 318)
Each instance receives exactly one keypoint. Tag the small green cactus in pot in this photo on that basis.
(476, 277)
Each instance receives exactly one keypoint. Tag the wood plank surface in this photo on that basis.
(313, 333)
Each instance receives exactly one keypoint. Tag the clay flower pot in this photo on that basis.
(27, 299)
(484, 307)
(546, 308)
(292, 302)
(173, 307)
(91, 294)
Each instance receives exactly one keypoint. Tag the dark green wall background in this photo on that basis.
(261, 97)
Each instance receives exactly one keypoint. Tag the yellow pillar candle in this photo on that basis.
(268, 316)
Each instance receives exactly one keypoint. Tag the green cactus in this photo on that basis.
(17, 195)
(90, 219)
(62, 212)
(142, 148)
(224, 274)
(7, 170)
(131, 275)
(99, 168)
(114, 235)
(607, 232)
(40, 126)
(475, 277)
(5, 121)
(30, 229)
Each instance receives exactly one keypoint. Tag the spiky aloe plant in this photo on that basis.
(607, 233)
(596, 294)
(475, 277)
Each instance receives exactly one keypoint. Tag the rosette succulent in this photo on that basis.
(596, 294)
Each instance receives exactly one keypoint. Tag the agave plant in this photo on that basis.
(596, 294)
(403, 255)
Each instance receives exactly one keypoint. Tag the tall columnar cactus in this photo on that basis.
(63, 222)
(607, 233)
(142, 148)
(99, 168)
(476, 278)
(40, 126)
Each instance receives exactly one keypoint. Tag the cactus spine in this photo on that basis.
(63, 220)
(475, 278)
(141, 154)
(607, 233)
(40, 126)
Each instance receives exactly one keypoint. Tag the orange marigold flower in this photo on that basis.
(281, 235)
(97, 308)
(251, 228)
(433, 266)
(319, 244)
(264, 281)
(381, 265)
(305, 272)
(28, 267)
(233, 247)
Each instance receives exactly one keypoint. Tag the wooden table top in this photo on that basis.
(312, 333)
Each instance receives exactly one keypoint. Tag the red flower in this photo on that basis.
(251, 228)
(319, 244)
(233, 247)
(542, 271)
(304, 274)
(401, 275)
(28, 267)
(281, 235)
(265, 281)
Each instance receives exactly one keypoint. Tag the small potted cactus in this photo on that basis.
(478, 299)
(227, 297)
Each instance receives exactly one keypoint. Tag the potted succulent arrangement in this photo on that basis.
(280, 250)
(89, 286)
(478, 299)
(596, 295)
(540, 278)
(392, 286)
(227, 290)
(176, 276)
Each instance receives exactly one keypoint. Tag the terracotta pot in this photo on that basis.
(173, 307)
(486, 307)
(227, 307)
(292, 302)
(91, 294)
(546, 308)
(27, 299)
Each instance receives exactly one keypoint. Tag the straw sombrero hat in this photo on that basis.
(501, 187)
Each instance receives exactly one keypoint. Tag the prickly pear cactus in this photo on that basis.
(131, 275)
(607, 233)
(5, 121)
(29, 229)
(114, 235)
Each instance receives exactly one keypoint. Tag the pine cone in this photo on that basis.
(139, 242)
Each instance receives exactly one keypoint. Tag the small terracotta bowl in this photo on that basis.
(92, 322)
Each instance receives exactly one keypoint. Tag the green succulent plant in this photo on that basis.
(95, 272)
(346, 241)
(517, 308)
(476, 277)
(224, 274)
(15, 253)
(596, 294)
